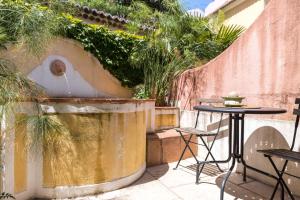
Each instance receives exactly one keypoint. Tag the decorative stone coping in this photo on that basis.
(166, 108)
(106, 18)
(93, 100)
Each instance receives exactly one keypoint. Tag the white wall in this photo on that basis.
(71, 84)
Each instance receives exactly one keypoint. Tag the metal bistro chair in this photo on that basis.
(200, 134)
(285, 154)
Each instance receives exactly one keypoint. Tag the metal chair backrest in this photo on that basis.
(297, 113)
(211, 102)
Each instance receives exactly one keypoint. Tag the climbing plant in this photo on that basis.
(112, 48)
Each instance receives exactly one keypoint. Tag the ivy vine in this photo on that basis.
(112, 48)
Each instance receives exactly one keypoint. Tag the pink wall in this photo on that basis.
(263, 64)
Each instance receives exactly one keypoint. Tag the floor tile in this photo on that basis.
(174, 177)
(264, 190)
(164, 183)
(237, 178)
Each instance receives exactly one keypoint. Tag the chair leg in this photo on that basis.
(197, 173)
(282, 191)
(185, 148)
(280, 174)
(209, 153)
(245, 174)
(188, 146)
(275, 189)
(202, 165)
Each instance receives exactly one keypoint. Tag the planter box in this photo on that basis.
(166, 118)
(166, 146)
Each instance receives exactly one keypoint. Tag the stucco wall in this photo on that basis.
(84, 77)
(103, 148)
(20, 156)
(99, 143)
(262, 64)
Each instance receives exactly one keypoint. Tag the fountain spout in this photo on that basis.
(68, 85)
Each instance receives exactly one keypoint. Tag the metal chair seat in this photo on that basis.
(196, 132)
(285, 154)
(282, 153)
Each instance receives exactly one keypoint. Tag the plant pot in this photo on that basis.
(166, 117)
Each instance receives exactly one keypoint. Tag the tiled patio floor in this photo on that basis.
(164, 183)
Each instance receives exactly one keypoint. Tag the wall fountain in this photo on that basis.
(107, 128)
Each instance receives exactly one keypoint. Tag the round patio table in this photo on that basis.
(236, 137)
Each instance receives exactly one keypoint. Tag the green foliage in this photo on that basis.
(13, 85)
(22, 24)
(204, 36)
(227, 34)
(178, 41)
(171, 7)
(3, 38)
(111, 6)
(112, 48)
(141, 14)
(167, 6)
(29, 24)
(56, 6)
(46, 130)
(161, 64)
(217, 42)
(120, 7)
(140, 92)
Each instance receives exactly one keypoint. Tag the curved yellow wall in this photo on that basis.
(20, 155)
(104, 147)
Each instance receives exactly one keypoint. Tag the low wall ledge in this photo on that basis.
(93, 100)
(167, 108)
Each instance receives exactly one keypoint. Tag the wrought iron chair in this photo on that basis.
(285, 154)
(200, 134)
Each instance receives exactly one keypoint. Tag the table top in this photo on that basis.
(241, 110)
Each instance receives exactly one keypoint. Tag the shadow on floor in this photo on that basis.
(209, 169)
(158, 171)
(237, 191)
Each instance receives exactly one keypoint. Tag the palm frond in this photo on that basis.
(29, 24)
(46, 130)
(3, 38)
(229, 33)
